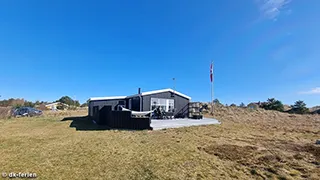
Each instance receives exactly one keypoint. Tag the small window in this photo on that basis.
(121, 102)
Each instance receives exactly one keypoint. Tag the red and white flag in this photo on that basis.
(211, 72)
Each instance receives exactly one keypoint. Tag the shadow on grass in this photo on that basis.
(83, 123)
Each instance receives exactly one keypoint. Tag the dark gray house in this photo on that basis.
(167, 99)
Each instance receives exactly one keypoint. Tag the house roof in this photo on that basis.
(161, 91)
(50, 104)
(54, 103)
(143, 94)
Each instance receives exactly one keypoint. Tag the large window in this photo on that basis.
(165, 104)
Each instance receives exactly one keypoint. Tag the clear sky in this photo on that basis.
(260, 48)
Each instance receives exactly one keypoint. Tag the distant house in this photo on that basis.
(286, 107)
(254, 105)
(53, 106)
(316, 111)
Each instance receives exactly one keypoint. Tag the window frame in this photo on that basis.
(165, 103)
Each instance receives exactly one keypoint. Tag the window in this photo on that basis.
(121, 102)
(165, 104)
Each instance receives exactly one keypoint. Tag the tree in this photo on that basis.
(69, 101)
(216, 102)
(233, 105)
(12, 102)
(242, 105)
(66, 100)
(299, 107)
(29, 104)
(4, 103)
(37, 102)
(273, 104)
(84, 105)
(76, 103)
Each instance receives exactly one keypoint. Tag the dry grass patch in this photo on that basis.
(5, 112)
(248, 144)
(65, 113)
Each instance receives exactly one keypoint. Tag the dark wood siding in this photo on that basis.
(113, 103)
(180, 103)
(135, 104)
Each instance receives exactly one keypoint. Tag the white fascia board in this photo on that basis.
(107, 98)
(143, 94)
(161, 91)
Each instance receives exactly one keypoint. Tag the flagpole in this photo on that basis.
(212, 89)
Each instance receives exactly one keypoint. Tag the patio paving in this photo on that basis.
(158, 124)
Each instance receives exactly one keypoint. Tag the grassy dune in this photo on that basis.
(248, 144)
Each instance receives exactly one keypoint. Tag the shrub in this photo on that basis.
(242, 105)
(84, 105)
(216, 102)
(28, 104)
(12, 102)
(273, 104)
(299, 107)
(69, 101)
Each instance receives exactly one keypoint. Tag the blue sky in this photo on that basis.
(261, 49)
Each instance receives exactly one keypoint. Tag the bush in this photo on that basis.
(242, 105)
(69, 101)
(299, 107)
(273, 104)
(84, 105)
(12, 102)
(28, 104)
(216, 102)
(18, 103)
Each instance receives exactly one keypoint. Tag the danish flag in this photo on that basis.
(211, 72)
